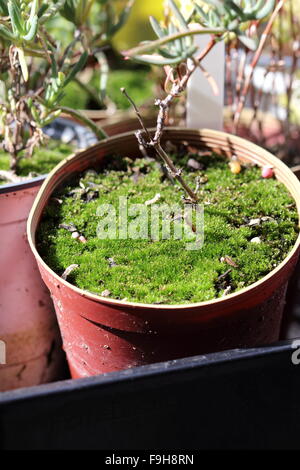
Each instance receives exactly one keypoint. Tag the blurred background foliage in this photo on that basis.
(138, 28)
(122, 73)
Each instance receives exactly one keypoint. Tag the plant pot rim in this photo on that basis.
(24, 184)
(231, 298)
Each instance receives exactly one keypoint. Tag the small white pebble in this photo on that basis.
(105, 293)
(75, 235)
(255, 240)
(82, 239)
(254, 222)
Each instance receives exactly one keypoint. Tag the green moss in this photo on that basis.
(43, 160)
(164, 271)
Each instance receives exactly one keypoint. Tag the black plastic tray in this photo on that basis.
(230, 400)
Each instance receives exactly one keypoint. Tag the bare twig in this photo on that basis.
(155, 144)
(253, 64)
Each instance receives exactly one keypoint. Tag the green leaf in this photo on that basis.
(51, 12)
(152, 45)
(177, 43)
(5, 33)
(178, 15)
(54, 73)
(233, 25)
(156, 27)
(3, 8)
(202, 13)
(79, 66)
(16, 18)
(23, 63)
(42, 10)
(33, 29)
(104, 72)
(236, 9)
(266, 10)
(248, 42)
(213, 18)
(217, 4)
(251, 8)
(167, 54)
(156, 59)
(34, 10)
(122, 19)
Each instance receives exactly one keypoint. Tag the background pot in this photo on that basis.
(291, 324)
(27, 320)
(103, 335)
(28, 324)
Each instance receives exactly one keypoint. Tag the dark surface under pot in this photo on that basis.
(230, 400)
(245, 398)
(237, 399)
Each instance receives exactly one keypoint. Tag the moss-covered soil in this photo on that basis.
(43, 160)
(237, 209)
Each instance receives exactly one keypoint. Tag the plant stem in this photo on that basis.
(155, 144)
(85, 120)
(172, 37)
(164, 105)
(174, 171)
(253, 64)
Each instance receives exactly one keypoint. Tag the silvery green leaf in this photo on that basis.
(248, 42)
(33, 29)
(178, 15)
(266, 10)
(213, 18)
(168, 54)
(253, 7)
(51, 12)
(5, 33)
(235, 7)
(34, 10)
(157, 59)
(202, 13)
(156, 27)
(233, 25)
(16, 18)
(217, 4)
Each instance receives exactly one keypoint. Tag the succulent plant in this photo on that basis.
(174, 42)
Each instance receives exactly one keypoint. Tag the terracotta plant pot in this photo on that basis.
(104, 335)
(28, 325)
(296, 171)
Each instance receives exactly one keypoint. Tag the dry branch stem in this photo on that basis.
(253, 64)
